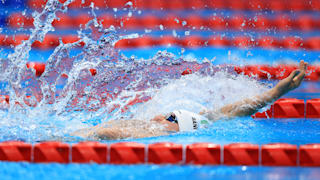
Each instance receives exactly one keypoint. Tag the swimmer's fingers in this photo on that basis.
(303, 65)
(298, 78)
(294, 74)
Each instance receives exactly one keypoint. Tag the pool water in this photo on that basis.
(94, 171)
(55, 121)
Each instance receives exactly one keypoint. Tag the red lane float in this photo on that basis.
(150, 21)
(165, 153)
(49, 152)
(197, 4)
(279, 154)
(192, 42)
(259, 71)
(107, 20)
(283, 71)
(293, 43)
(130, 22)
(241, 154)
(186, 72)
(167, 41)
(273, 5)
(309, 155)
(196, 22)
(236, 22)
(127, 153)
(52, 41)
(217, 22)
(218, 41)
(305, 23)
(171, 21)
(38, 67)
(267, 42)
(277, 72)
(288, 108)
(175, 5)
(243, 42)
(17, 20)
(63, 22)
(88, 152)
(48, 42)
(266, 114)
(313, 73)
(260, 23)
(4, 99)
(93, 72)
(313, 108)
(203, 153)
(15, 151)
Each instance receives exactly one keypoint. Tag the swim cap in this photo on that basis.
(189, 121)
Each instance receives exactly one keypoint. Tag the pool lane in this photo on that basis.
(94, 171)
(230, 55)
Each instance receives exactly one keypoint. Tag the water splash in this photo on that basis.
(68, 97)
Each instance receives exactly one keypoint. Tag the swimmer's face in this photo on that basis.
(159, 118)
(169, 125)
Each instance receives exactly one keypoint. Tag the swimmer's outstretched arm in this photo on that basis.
(120, 129)
(250, 106)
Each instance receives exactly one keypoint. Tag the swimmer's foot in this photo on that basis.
(291, 82)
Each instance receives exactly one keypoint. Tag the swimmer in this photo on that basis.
(182, 120)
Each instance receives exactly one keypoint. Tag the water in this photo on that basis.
(67, 97)
(93, 171)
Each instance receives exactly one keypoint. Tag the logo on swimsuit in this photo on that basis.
(194, 122)
(204, 122)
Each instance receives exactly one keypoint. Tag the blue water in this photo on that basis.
(221, 55)
(263, 131)
(256, 131)
(94, 171)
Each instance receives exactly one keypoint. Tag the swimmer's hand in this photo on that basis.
(291, 82)
(250, 106)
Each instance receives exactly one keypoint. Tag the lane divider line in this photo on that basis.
(251, 5)
(277, 72)
(236, 22)
(242, 42)
(235, 154)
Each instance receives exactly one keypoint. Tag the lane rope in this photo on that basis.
(267, 42)
(235, 154)
(247, 5)
(235, 22)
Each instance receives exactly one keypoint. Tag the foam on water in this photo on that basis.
(67, 97)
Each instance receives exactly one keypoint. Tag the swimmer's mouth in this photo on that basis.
(172, 118)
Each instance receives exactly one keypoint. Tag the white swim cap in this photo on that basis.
(189, 121)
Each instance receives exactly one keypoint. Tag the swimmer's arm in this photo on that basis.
(110, 133)
(250, 106)
(120, 133)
